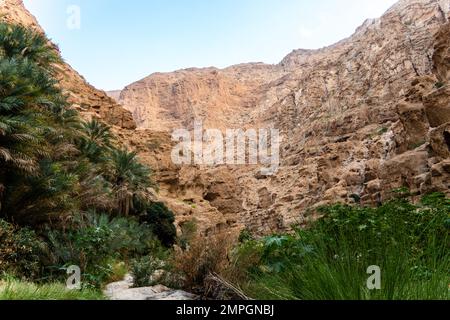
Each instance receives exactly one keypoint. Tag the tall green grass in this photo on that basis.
(12, 289)
(329, 261)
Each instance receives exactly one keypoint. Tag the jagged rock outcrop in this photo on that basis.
(90, 101)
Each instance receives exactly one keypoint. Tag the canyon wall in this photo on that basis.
(357, 119)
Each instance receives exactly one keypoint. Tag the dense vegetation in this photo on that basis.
(69, 193)
(410, 243)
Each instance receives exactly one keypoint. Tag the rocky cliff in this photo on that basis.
(221, 98)
(357, 120)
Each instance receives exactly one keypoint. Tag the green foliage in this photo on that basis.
(35, 128)
(130, 238)
(188, 233)
(410, 243)
(84, 247)
(143, 270)
(245, 236)
(96, 141)
(161, 220)
(56, 168)
(13, 289)
(51, 163)
(20, 42)
(35, 199)
(126, 169)
(20, 251)
(97, 242)
(129, 178)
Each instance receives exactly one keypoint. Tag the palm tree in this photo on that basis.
(98, 132)
(130, 179)
(33, 114)
(51, 163)
(96, 140)
(42, 198)
(22, 126)
(27, 89)
(22, 43)
(2, 189)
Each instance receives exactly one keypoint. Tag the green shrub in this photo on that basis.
(410, 243)
(161, 220)
(188, 233)
(143, 270)
(97, 243)
(245, 236)
(20, 251)
(130, 238)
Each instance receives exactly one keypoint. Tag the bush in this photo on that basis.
(245, 236)
(161, 220)
(130, 239)
(205, 255)
(97, 244)
(144, 271)
(410, 243)
(20, 251)
(188, 233)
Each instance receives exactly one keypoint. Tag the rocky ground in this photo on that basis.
(123, 290)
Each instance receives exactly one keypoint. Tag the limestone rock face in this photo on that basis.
(221, 98)
(91, 102)
(358, 119)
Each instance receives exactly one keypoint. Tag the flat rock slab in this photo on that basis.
(123, 290)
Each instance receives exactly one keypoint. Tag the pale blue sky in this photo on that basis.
(122, 41)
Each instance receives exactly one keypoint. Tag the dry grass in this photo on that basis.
(204, 256)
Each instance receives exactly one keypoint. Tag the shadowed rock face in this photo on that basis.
(358, 119)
